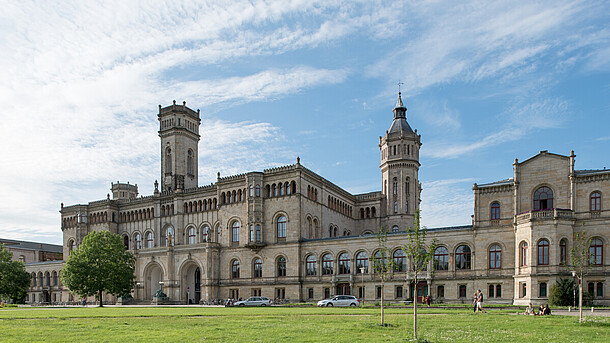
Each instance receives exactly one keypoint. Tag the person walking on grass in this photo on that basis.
(480, 301)
(475, 306)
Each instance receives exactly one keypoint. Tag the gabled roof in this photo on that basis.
(544, 153)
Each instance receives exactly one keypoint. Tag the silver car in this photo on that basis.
(254, 301)
(340, 300)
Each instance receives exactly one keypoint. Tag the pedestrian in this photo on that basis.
(474, 302)
(480, 301)
(428, 300)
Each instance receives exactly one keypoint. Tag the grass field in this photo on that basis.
(197, 324)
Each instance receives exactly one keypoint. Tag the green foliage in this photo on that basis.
(562, 293)
(14, 280)
(417, 250)
(100, 264)
(579, 254)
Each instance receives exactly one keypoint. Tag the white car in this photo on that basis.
(340, 300)
(254, 301)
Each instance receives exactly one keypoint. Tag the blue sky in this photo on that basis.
(484, 83)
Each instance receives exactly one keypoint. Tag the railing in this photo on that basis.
(554, 213)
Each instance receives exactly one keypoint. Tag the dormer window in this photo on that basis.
(543, 199)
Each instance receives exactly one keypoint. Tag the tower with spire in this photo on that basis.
(399, 149)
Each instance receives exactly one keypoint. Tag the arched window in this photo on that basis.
(400, 261)
(311, 265)
(235, 269)
(258, 268)
(189, 163)
(362, 261)
(257, 190)
(327, 264)
(235, 232)
(523, 254)
(543, 252)
(281, 266)
(280, 187)
(274, 187)
(362, 213)
(170, 236)
(55, 278)
(563, 251)
(596, 252)
(495, 211)
(168, 160)
(495, 257)
(252, 238)
(395, 206)
(281, 227)
(380, 260)
(395, 228)
(251, 191)
(596, 202)
(288, 188)
(441, 258)
(138, 240)
(258, 233)
(543, 199)
(205, 232)
(192, 237)
(72, 245)
(344, 263)
(462, 257)
(395, 186)
(373, 212)
(149, 240)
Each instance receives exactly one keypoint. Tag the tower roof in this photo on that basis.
(400, 118)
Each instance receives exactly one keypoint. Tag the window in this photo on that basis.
(168, 161)
(72, 246)
(523, 289)
(380, 260)
(311, 265)
(495, 211)
(258, 268)
(440, 291)
(252, 237)
(600, 289)
(498, 291)
(251, 191)
(192, 237)
(281, 227)
(395, 228)
(327, 264)
(149, 240)
(326, 293)
(257, 190)
(596, 252)
(235, 269)
(138, 240)
(395, 206)
(205, 232)
(542, 290)
(400, 261)
(344, 263)
(398, 292)
(462, 257)
(596, 202)
(362, 261)
(258, 232)
(543, 252)
(361, 292)
(495, 257)
(309, 293)
(441, 258)
(523, 254)
(462, 291)
(395, 186)
(378, 292)
(563, 251)
(126, 242)
(281, 266)
(22, 258)
(189, 162)
(235, 232)
(543, 199)
(490, 292)
(591, 287)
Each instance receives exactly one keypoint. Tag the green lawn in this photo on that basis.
(172, 324)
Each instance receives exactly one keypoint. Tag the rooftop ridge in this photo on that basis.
(280, 168)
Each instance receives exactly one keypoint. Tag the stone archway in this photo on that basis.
(190, 288)
(154, 275)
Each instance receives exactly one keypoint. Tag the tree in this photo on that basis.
(14, 280)
(382, 266)
(579, 263)
(420, 254)
(100, 264)
(562, 292)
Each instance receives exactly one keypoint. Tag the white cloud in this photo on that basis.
(456, 206)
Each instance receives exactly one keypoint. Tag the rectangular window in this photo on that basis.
(440, 292)
(256, 292)
(378, 292)
(398, 292)
(523, 290)
(542, 290)
(309, 293)
(600, 289)
(280, 293)
(498, 291)
(462, 291)
(234, 293)
(326, 293)
(491, 291)
(591, 287)
(361, 292)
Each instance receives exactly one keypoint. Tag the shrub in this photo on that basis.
(562, 293)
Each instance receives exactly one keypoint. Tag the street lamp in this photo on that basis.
(362, 272)
(137, 286)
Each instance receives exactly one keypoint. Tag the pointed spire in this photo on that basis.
(400, 111)
(399, 124)
(399, 102)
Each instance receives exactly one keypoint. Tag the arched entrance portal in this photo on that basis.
(154, 276)
(191, 283)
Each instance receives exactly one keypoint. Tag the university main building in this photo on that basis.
(288, 233)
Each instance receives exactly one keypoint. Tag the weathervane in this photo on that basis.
(400, 83)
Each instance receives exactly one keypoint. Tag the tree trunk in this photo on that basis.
(382, 304)
(415, 310)
(100, 296)
(580, 299)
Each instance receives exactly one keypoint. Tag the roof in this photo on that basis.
(591, 172)
(32, 245)
(508, 181)
(400, 124)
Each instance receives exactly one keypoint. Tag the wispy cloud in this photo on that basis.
(457, 204)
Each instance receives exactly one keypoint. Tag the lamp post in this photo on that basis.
(137, 286)
(579, 276)
(362, 272)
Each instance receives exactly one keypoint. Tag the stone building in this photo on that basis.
(288, 233)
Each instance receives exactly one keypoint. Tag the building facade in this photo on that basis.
(288, 233)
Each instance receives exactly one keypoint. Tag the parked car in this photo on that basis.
(340, 300)
(254, 301)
